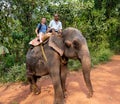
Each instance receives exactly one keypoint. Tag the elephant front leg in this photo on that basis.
(58, 93)
(63, 77)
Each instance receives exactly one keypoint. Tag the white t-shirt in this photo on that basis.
(55, 25)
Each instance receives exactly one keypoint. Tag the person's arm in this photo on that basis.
(60, 31)
(60, 28)
(49, 27)
(36, 30)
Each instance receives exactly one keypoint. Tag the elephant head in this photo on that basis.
(73, 45)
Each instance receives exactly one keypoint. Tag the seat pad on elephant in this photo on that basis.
(35, 41)
(56, 42)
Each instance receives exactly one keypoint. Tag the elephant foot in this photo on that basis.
(61, 102)
(66, 94)
(90, 94)
(35, 89)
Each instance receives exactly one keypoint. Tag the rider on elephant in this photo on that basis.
(41, 30)
(55, 25)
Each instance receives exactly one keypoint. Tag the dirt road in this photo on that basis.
(105, 79)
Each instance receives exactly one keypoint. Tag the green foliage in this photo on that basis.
(14, 74)
(102, 55)
(9, 61)
(74, 65)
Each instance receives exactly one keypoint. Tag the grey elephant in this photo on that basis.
(71, 45)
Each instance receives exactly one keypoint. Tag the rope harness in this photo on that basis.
(41, 46)
(43, 52)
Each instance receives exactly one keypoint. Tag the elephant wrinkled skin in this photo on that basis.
(71, 45)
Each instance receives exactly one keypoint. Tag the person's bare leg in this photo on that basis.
(40, 37)
(46, 36)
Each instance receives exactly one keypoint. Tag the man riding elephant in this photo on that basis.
(55, 25)
(72, 45)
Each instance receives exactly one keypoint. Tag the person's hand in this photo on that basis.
(59, 35)
(48, 30)
(60, 31)
(37, 35)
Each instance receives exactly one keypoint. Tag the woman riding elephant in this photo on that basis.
(71, 45)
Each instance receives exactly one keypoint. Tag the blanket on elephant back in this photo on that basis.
(56, 42)
(36, 42)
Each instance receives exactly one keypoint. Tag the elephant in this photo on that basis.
(71, 45)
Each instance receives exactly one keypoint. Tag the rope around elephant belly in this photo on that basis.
(43, 52)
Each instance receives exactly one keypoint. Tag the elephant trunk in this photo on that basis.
(84, 57)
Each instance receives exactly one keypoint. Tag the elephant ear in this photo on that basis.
(57, 44)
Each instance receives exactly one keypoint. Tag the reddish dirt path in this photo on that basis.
(105, 79)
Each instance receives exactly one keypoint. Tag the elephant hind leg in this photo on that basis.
(33, 86)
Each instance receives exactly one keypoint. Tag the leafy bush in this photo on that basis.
(9, 60)
(102, 55)
(15, 73)
(74, 65)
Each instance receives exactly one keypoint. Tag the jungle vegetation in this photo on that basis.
(98, 20)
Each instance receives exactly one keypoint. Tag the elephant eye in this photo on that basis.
(76, 45)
